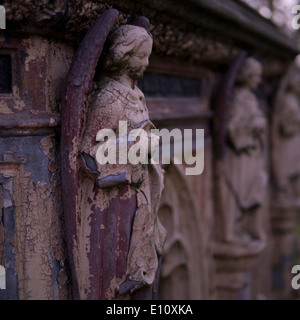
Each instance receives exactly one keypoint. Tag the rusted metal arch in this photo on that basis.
(79, 85)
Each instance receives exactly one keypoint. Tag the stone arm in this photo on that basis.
(240, 134)
(112, 175)
(243, 132)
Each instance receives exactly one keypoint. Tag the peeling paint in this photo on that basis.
(19, 103)
(116, 227)
(2, 278)
(39, 234)
(34, 52)
(4, 108)
(9, 222)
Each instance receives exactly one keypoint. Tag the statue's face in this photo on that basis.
(254, 80)
(139, 61)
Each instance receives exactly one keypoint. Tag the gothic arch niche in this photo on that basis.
(182, 259)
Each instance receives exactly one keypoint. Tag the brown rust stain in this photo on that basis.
(35, 51)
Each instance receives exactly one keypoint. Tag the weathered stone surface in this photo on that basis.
(242, 182)
(196, 31)
(107, 209)
(194, 42)
(32, 235)
(285, 169)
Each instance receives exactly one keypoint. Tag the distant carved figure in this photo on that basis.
(126, 195)
(286, 139)
(244, 181)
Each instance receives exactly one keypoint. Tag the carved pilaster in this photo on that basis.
(32, 247)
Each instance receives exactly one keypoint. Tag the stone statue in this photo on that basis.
(119, 99)
(244, 174)
(116, 239)
(286, 139)
(285, 169)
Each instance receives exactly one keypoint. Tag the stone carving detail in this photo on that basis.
(285, 164)
(286, 138)
(77, 16)
(27, 231)
(118, 236)
(182, 263)
(241, 181)
(244, 176)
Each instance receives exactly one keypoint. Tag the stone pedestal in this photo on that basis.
(234, 263)
(283, 240)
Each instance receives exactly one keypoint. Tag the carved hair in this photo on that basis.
(123, 43)
(250, 66)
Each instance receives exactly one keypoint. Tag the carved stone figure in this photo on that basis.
(119, 99)
(240, 179)
(244, 176)
(116, 237)
(286, 139)
(285, 168)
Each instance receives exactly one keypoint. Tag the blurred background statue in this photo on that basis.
(245, 178)
(286, 138)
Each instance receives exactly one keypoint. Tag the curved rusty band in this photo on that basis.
(222, 102)
(78, 87)
(140, 21)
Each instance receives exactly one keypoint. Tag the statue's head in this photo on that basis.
(129, 48)
(250, 73)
